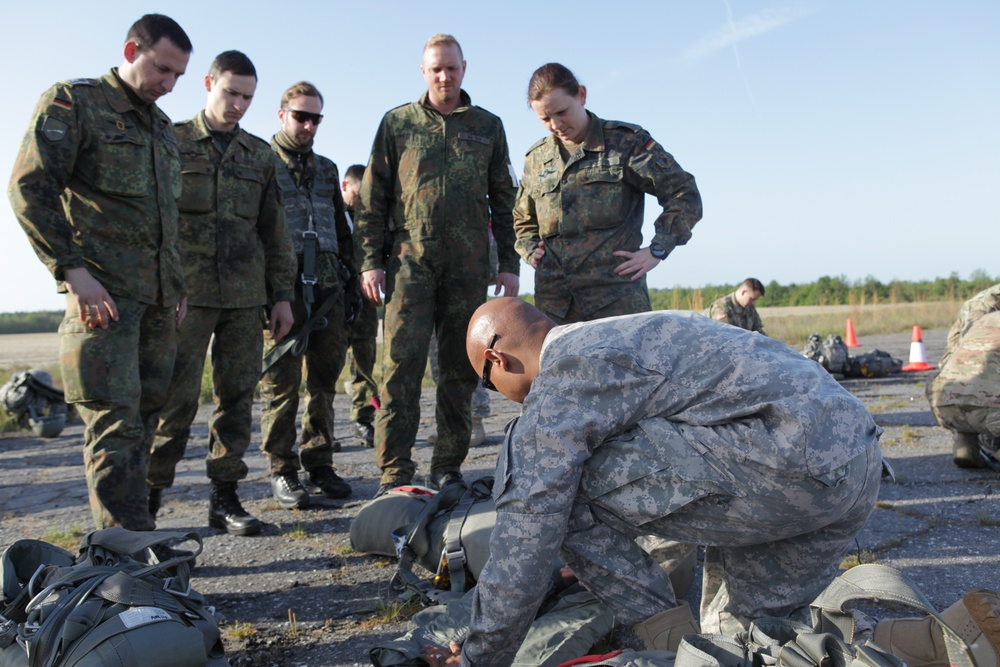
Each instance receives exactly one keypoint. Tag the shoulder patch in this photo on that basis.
(623, 125)
(54, 129)
(81, 82)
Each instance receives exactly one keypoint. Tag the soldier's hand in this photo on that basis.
(538, 253)
(373, 285)
(182, 311)
(638, 263)
(435, 656)
(353, 301)
(95, 305)
(281, 320)
(509, 283)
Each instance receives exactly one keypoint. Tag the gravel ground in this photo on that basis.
(936, 522)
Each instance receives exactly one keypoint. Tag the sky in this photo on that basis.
(855, 138)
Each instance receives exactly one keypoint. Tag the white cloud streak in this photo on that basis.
(736, 31)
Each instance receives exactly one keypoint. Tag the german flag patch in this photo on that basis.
(649, 144)
(65, 104)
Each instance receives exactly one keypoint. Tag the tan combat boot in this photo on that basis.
(665, 630)
(919, 642)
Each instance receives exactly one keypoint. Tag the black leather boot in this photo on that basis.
(226, 512)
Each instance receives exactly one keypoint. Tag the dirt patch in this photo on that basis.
(37, 350)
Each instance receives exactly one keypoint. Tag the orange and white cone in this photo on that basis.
(918, 356)
(852, 339)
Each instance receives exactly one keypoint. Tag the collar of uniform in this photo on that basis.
(204, 131)
(464, 101)
(117, 96)
(594, 141)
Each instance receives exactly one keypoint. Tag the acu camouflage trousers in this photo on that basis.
(237, 341)
(118, 378)
(770, 550)
(323, 360)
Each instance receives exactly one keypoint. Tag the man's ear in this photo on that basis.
(131, 51)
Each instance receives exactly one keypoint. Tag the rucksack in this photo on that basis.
(30, 397)
(116, 604)
(874, 364)
(447, 533)
(831, 353)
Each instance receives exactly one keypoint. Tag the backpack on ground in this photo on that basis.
(830, 353)
(116, 604)
(30, 397)
(874, 364)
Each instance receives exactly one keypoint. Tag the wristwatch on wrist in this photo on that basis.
(657, 250)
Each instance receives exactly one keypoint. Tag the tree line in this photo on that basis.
(827, 291)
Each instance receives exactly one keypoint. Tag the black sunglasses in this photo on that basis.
(488, 367)
(305, 116)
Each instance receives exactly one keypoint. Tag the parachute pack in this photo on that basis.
(831, 353)
(30, 397)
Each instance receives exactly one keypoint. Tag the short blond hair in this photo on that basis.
(298, 90)
(443, 39)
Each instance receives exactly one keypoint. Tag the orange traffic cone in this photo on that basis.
(918, 357)
(851, 339)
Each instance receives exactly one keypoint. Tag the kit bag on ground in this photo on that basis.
(30, 397)
(116, 604)
(447, 533)
(830, 353)
(874, 364)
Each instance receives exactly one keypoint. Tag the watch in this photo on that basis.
(657, 250)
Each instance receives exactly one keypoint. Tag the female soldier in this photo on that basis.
(579, 210)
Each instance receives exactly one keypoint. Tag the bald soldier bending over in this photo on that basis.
(667, 424)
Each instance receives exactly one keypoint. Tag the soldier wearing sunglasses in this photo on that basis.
(321, 238)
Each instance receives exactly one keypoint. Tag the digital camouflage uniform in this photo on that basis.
(727, 309)
(672, 425)
(313, 202)
(236, 251)
(362, 341)
(982, 303)
(95, 185)
(965, 395)
(592, 205)
(434, 180)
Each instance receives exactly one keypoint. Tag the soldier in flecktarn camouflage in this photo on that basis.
(965, 395)
(236, 252)
(579, 209)
(438, 168)
(324, 262)
(95, 187)
(738, 308)
(673, 425)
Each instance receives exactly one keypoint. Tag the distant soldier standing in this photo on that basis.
(236, 251)
(95, 187)
(738, 308)
(438, 167)
(361, 336)
(321, 237)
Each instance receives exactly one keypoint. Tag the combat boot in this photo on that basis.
(288, 491)
(226, 512)
(325, 481)
(665, 630)
(155, 501)
(965, 451)
(365, 433)
(920, 642)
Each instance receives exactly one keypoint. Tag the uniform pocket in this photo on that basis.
(198, 187)
(96, 364)
(249, 190)
(125, 167)
(602, 190)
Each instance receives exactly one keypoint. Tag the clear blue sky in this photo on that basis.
(828, 137)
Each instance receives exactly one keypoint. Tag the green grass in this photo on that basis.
(68, 539)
